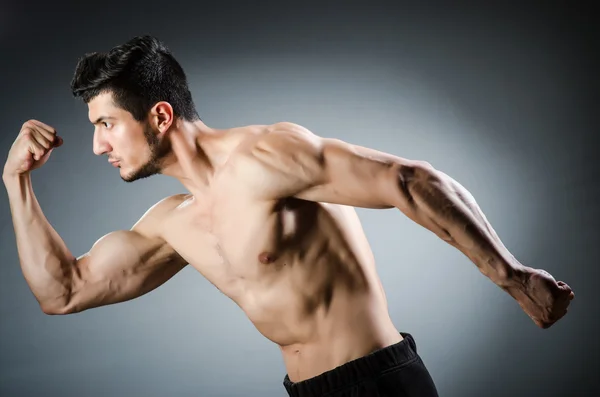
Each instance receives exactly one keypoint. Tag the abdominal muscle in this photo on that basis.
(351, 325)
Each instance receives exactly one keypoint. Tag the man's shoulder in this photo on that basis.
(286, 129)
(282, 159)
(278, 137)
(253, 133)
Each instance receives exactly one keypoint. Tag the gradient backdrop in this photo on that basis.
(503, 99)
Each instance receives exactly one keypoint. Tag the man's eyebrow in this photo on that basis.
(102, 118)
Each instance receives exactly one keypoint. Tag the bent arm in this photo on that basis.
(120, 266)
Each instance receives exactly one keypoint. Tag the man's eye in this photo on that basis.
(107, 125)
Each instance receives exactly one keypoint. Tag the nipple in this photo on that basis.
(266, 258)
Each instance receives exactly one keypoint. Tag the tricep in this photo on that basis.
(121, 266)
(292, 161)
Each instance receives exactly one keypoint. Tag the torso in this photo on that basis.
(303, 272)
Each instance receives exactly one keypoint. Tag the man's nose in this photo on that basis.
(101, 145)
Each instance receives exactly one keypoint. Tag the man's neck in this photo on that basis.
(196, 154)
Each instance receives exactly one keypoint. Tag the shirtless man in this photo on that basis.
(268, 220)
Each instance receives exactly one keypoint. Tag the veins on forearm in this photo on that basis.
(442, 205)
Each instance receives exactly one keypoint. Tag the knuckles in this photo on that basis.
(31, 124)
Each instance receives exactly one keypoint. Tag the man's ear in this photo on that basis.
(162, 116)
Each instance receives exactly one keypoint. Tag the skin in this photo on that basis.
(269, 220)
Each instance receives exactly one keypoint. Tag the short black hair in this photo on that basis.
(139, 73)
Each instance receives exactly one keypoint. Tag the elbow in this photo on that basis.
(56, 309)
(421, 175)
(423, 171)
(410, 177)
(423, 166)
(416, 171)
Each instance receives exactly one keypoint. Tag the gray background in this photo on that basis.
(501, 98)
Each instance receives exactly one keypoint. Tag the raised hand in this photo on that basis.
(31, 149)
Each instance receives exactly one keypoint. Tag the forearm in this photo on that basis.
(45, 260)
(441, 204)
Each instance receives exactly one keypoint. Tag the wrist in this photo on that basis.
(15, 181)
(11, 177)
(509, 273)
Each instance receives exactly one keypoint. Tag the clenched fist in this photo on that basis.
(31, 149)
(541, 297)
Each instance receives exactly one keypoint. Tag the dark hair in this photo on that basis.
(139, 73)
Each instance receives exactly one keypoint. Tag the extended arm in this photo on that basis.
(306, 166)
(291, 161)
(120, 266)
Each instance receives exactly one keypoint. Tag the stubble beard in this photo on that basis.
(158, 151)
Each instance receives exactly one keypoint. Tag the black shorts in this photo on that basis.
(396, 370)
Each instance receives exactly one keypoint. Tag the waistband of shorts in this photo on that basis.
(353, 372)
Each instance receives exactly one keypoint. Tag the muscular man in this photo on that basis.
(268, 220)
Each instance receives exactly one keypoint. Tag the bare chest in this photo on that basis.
(235, 242)
(277, 260)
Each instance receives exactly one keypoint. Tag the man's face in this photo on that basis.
(130, 145)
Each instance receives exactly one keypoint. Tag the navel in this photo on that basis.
(266, 257)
